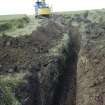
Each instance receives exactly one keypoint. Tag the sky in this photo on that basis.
(27, 6)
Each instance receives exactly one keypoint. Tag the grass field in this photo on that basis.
(15, 25)
(10, 17)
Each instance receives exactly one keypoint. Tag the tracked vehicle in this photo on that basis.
(42, 9)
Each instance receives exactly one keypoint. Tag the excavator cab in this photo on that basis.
(42, 9)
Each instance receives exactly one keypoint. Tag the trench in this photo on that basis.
(67, 79)
(64, 90)
(58, 86)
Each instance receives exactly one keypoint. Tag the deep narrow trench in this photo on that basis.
(67, 81)
(64, 92)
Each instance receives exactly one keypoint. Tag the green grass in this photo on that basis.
(10, 17)
(8, 83)
(57, 50)
(13, 22)
(97, 15)
(17, 25)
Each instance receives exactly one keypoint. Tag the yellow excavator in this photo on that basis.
(42, 9)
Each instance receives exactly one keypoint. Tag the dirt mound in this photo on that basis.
(19, 53)
(44, 36)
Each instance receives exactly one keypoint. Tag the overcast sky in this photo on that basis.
(26, 6)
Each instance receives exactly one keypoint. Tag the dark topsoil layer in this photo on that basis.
(20, 53)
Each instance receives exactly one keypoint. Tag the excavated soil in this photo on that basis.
(59, 70)
(47, 75)
(91, 66)
(20, 53)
